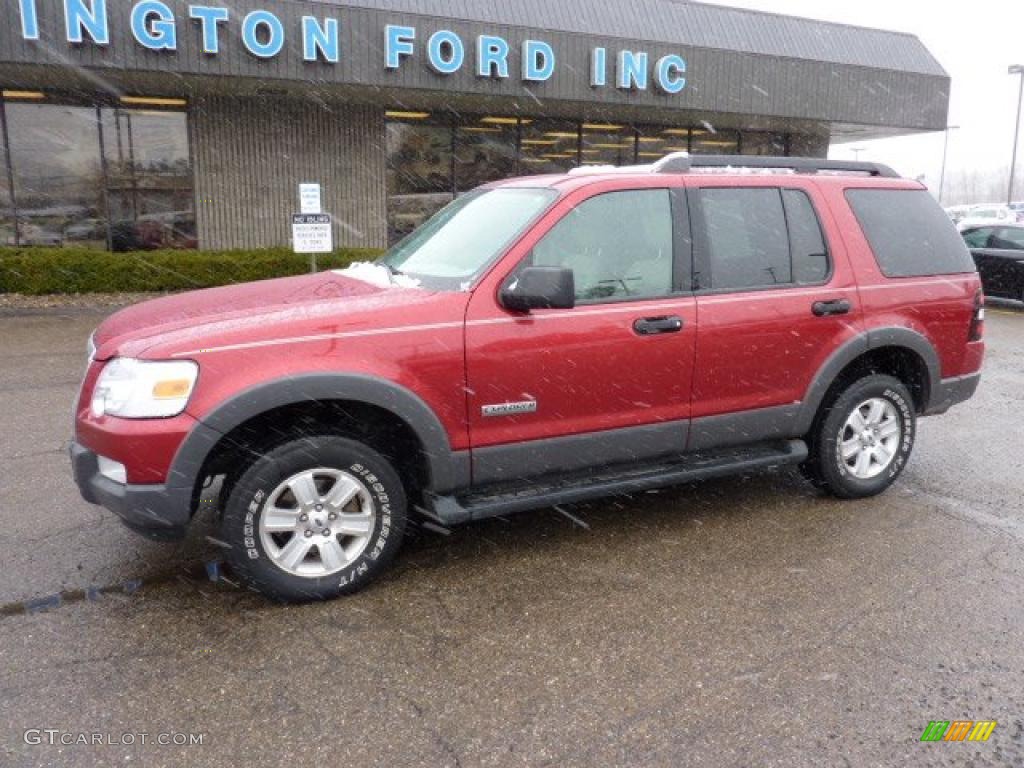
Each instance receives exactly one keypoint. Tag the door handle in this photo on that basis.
(834, 307)
(648, 326)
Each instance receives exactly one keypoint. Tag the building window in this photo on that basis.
(607, 144)
(419, 170)
(97, 177)
(149, 181)
(762, 143)
(6, 204)
(653, 142)
(58, 175)
(485, 150)
(549, 146)
(706, 142)
(432, 159)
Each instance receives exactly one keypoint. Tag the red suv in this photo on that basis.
(540, 340)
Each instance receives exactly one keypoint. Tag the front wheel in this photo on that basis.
(314, 518)
(864, 440)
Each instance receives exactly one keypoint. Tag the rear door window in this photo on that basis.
(806, 241)
(758, 237)
(745, 237)
(909, 233)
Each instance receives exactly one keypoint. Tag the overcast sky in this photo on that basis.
(975, 42)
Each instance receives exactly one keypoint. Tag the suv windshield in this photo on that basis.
(461, 240)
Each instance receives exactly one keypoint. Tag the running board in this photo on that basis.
(453, 510)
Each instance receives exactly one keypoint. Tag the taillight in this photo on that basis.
(978, 318)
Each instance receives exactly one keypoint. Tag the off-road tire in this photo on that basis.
(381, 490)
(826, 467)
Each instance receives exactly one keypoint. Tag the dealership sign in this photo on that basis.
(156, 27)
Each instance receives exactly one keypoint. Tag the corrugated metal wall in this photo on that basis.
(251, 154)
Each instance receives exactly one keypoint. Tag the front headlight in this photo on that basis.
(141, 389)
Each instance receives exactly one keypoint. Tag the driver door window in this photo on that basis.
(618, 245)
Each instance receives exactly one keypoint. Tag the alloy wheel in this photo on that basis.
(317, 522)
(870, 438)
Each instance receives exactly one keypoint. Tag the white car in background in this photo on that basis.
(958, 212)
(987, 215)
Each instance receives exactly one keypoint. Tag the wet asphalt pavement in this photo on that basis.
(745, 622)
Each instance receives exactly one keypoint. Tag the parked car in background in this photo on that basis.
(35, 235)
(999, 253)
(87, 230)
(958, 212)
(1018, 211)
(172, 229)
(981, 215)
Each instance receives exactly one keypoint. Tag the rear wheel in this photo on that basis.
(863, 439)
(314, 518)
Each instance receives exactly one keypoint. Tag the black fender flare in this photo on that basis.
(447, 470)
(875, 338)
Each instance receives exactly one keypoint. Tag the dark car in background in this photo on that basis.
(999, 253)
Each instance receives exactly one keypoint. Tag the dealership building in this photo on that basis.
(157, 123)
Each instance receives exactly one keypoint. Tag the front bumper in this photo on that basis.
(953, 391)
(155, 511)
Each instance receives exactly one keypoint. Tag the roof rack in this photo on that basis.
(683, 162)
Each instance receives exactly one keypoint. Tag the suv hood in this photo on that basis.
(248, 311)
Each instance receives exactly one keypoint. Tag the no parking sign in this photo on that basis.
(311, 233)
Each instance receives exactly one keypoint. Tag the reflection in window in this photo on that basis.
(607, 144)
(548, 146)
(485, 150)
(764, 144)
(138, 195)
(58, 176)
(706, 142)
(149, 181)
(419, 173)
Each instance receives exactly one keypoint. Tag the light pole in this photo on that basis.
(1016, 69)
(945, 151)
(856, 152)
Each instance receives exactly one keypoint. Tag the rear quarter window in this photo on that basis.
(909, 233)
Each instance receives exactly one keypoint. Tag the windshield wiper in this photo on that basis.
(393, 271)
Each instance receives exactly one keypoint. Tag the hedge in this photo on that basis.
(39, 271)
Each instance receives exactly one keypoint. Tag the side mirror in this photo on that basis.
(540, 288)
